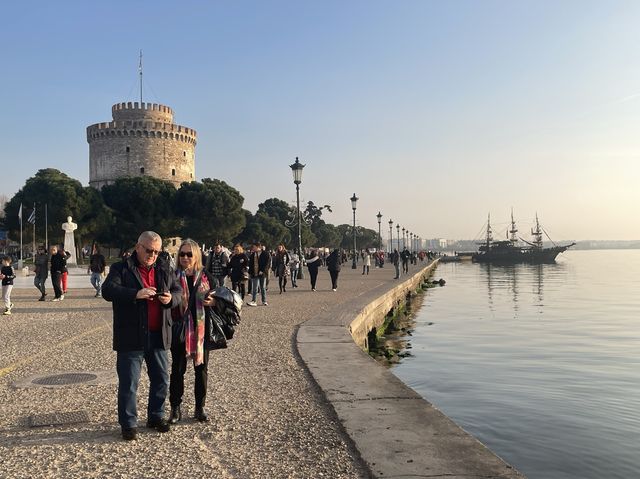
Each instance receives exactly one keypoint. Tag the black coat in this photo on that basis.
(130, 326)
(333, 261)
(59, 262)
(238, 265)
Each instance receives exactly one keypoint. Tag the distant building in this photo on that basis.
(141, 140)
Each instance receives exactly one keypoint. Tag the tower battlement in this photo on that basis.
(140, 140)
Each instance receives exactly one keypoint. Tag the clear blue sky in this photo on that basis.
(434, 113)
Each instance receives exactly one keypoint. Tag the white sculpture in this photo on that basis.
(69, 243)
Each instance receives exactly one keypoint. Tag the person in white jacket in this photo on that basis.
(366, 261)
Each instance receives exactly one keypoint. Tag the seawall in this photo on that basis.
(395, 430)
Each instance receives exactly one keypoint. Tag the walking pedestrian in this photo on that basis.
(281, 267)
(333, 266)
(313, 263)
(395, 259)
(366, 261)
(7, 275)
(217, 264)
(97, 266)
(259, 265)
(294, 266)
(41, 263)
(239, 270)
(143, 291)
(58, 266)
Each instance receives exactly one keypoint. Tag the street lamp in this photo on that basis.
(379, 216)
(354, 200)
(390, 236)
(403, 246)
(296, 169)
(398, 235)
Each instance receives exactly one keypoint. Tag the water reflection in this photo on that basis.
(503, 283)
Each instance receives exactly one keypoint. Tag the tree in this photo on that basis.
(210, 211)
(139, 204)
(64, 196)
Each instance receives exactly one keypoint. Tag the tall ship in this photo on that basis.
(511, 250)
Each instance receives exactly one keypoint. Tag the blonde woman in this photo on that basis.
(189, 331)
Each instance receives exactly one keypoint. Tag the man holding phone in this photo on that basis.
(142, 291)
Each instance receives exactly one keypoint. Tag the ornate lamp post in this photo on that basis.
(379, 216)
(390, 236)
(354, 200)
(296, 169)
(403, 230)
(398, 236)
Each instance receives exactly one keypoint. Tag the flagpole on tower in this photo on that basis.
(140, 71)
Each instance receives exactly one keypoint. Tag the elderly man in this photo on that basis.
(143, 291)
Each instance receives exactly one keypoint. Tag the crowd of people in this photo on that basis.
(160, 304)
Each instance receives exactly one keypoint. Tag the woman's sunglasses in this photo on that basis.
(188, 254)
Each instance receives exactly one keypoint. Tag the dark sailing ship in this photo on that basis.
(510, 251)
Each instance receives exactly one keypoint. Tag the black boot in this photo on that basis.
(201, 415)
(176, 415)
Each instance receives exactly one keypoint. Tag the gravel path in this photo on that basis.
(268, 418)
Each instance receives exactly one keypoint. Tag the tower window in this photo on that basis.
(184, 153)
(142, 170)
(128, 149)
(173, 172)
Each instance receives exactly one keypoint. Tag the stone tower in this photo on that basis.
(141, 140)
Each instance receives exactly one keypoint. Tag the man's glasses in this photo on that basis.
(188, 254)
(150, 252)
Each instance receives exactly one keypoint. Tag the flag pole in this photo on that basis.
(20, 260)
(46, 229)
(33, 251)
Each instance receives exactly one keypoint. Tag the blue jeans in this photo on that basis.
(96, 281)
(39, 281)
(258, 282)
(128, 365)
(294, 277)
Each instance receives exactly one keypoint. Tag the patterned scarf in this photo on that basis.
(194, 327)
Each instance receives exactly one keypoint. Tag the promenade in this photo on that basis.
(268, 418)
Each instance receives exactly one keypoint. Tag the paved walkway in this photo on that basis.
(268, 418)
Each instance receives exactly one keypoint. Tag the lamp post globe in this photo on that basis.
(296, 170)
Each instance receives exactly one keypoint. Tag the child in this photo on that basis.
(7, 275)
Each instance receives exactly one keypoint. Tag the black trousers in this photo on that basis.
(239, 287)
(56, 279)
(282, 281)
(334, 279)
(313, 275)
(178, 369)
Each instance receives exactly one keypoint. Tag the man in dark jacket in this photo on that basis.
(333, 266)
(259, 265)
(143, 291)
(42, 271)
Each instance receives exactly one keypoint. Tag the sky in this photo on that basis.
(435, 113)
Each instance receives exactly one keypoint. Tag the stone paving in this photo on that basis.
(268, 418)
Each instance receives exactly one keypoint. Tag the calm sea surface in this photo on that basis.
(540, 363)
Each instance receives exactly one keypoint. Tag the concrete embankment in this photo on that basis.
(396, 431)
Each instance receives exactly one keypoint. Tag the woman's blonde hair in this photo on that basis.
(239, 246)
(195, 250)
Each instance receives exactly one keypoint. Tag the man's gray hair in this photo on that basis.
(149, 235)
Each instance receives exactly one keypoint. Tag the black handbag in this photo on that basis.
(214, 334)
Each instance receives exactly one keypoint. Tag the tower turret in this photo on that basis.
(141, 140)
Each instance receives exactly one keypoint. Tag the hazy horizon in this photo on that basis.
(433, 113)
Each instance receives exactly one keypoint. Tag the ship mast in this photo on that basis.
(513, 231)
(489, 236)
(537, 234)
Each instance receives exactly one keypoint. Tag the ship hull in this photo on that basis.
(514, 256)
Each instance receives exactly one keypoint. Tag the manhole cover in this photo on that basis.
(63, 379)
(58, 418)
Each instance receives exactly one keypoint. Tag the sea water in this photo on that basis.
(539, 362)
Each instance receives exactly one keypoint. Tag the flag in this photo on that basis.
(32, 216)
(20, 213)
